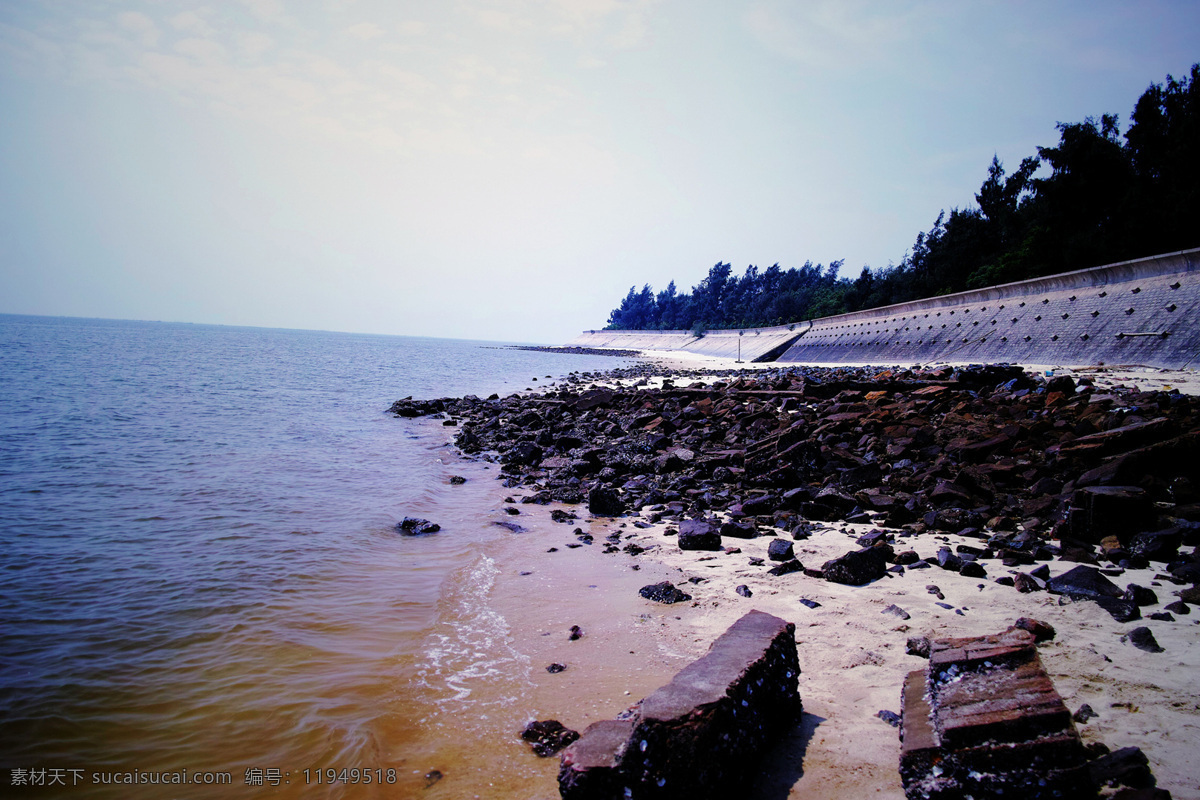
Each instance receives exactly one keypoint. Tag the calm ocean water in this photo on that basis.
(198, 569)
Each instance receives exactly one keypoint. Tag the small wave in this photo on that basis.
(470, 649)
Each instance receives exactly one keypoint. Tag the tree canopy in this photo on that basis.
(1094, 198)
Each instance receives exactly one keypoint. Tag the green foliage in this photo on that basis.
(1104, 200)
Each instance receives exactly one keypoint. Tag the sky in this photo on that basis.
(507, 169)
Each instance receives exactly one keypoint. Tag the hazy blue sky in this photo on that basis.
(506, 169)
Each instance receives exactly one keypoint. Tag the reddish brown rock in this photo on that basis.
(984, 720)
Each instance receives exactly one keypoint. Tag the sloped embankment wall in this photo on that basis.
(757, 344)
(1135, 312)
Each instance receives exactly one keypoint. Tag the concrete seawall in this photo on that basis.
(1144, 312)
(757, 344)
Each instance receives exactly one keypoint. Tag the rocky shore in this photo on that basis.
(1027, 464)
(1021, 488)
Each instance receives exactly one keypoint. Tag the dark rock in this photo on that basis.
(947, 560)
(786, 568)
(972, 569)
(804, 601)
(1143, 639)
(871, 539)
(1042, 631)
(1146, 793)
(698, 535)
(1100, 511)
(457, 480)
(780, 550)
(576, 633)
(897, 611)
(556, 668)
(1157, 545)
(523, 454)
(744, 590)
(858, 567)
(1121, 610)
(917, 646)
(1162, 616)
(1185, 571)
(664, 592)
(1026, 583)
(1083, 582)
(594, 399)
(1084, 713)
(1178, 607)
(547, 737)
(760, 505)
(739, 530)
(1041, 572)
(415, 526)
(890, 717)
(1140, 595)
(907, 557)
(1127, 767)
(432, 777)
(604, 501)
(510, 526)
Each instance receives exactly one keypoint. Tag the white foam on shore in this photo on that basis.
(470, 647)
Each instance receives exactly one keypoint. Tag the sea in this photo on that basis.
(202, 589)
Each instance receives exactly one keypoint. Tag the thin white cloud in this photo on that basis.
(30, 52)
(204, 50)
(253, 44)
(412, 27)
(140, 26)
(366, 31)
(633, 32)
(192, 22)
(266, 10)
(826, 32)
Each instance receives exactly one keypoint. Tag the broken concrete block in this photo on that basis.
(984, 720)
(701, 735)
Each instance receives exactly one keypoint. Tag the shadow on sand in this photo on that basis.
(783, 764)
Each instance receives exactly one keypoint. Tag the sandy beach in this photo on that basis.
(852, 649)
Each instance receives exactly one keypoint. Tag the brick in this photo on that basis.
(985, 720)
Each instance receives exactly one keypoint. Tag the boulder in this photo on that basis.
(415, 526)
(858, 567)
(698, 535)
(1083, 583)
(604, 501)
(1157, 545)
(664, 592)
(547, 737)
(1143, 639)
(739, 530)
(780, 550)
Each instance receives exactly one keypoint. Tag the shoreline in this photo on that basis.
(852, 655)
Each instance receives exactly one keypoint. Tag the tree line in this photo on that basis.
(1106, 198)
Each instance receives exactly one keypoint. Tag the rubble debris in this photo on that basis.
(701, 735)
